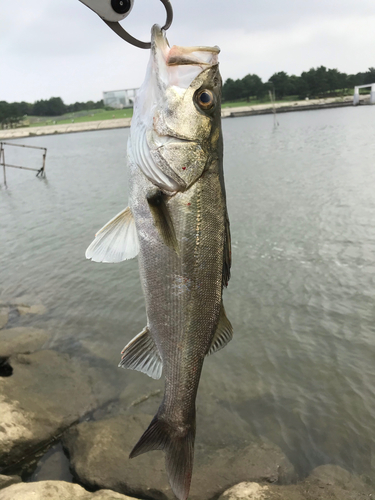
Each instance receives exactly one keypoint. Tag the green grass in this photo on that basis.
(80, 116)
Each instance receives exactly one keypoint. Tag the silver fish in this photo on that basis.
(177, 224)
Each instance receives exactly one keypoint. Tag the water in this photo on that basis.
(300, 370)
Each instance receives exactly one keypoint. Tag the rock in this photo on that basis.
(246, 491)
(53, 465)
(327, 482)
(5, 369)
(4, 316)
(56, 490)
(222, 468)
(34, 309)
(47, 392)
(6, 481)
(99, 458)
(333, 474)
(22, 340)
(338, 483)
(24, 300)
(101, 350)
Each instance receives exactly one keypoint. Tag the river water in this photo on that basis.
(300, 370)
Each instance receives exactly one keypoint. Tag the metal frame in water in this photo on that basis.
(40, 171)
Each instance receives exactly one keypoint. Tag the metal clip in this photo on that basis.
(117, 28)
(112, 11)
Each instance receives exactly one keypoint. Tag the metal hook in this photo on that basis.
(117, 28)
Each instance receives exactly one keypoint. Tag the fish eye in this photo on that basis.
(121, 6)
(205, 99)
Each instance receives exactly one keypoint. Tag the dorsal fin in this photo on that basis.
(116, 241)
(227, 253)
(223, 334)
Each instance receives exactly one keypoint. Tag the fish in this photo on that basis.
(177, 224)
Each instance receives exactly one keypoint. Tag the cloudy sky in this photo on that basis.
(61, 48)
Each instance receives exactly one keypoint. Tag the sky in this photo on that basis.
(61, 48)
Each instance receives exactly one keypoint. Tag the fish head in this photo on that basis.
(178, 109)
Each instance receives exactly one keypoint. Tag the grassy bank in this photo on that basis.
(80, 117)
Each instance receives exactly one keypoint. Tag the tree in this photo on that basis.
(252, 86)
(322, 80)
(53, 107)
(281, 83)
(232, 90)
(333, 79)
(369, 76)
(298, 87)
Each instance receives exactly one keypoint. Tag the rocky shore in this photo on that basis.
(257, 109)
(56, 426)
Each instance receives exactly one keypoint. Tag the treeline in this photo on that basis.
(14, 112)
(317, 82)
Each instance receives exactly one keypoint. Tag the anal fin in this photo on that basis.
(223, 334)
(142, 354)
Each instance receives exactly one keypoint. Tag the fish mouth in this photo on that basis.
(182, 56)
(159, 42)
(179, 65)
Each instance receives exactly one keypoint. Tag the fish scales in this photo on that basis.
(183, 292)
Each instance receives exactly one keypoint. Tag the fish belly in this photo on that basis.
(182, 291)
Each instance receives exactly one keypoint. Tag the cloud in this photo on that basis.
(61, 48)
(343, 43)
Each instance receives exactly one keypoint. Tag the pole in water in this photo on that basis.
(272, 99)
(2, 156)
(41, 172)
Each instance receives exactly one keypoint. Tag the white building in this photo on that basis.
(356, 93)
(119, 98)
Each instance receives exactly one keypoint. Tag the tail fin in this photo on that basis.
(178, 444)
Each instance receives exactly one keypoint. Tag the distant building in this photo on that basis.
(356, 93)
(119, 98)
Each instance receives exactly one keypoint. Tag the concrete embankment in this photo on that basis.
(282, 107)
(66, 128)
(258, 109)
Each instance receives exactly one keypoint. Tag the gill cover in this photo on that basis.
(170, 130)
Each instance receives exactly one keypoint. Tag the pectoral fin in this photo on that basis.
(116, 241)
(162, 219)
(223, 334)
(142, 354)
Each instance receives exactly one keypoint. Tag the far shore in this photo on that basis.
(257, 109)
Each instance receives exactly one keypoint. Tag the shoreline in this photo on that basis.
(257, 109)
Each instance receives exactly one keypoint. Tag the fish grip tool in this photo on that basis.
(111, 11)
